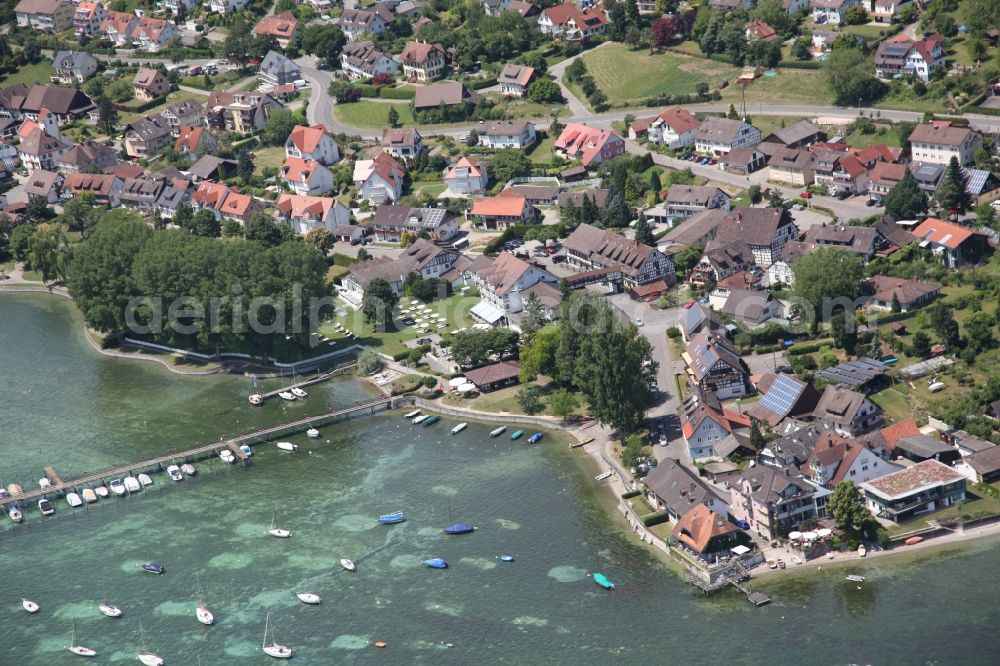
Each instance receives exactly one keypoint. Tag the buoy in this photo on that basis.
(380, 644)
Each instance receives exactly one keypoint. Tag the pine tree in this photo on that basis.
(244, 166)
(643, 234)
(655, 183)
(951, 193)
(393, 117)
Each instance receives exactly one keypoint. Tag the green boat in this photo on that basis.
(603, 581)
(433, 419)
(517, 434)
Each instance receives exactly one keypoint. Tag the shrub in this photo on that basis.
(673, 332)
(651, 519)
(369, 361)
(630, 494)
(430, 382)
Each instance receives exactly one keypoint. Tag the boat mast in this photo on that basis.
(267, 621)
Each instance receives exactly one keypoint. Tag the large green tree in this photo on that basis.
(509, 163)
(851, 77)
(278, 126)
(474, 348)
(847, 506)
(538, 357)
(324, 41)
(826, 275)
(905, 200)
(951, 193)
(379, 301)
(529, 399)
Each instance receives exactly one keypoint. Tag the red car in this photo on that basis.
(807, 195)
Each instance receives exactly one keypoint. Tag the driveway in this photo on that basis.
(761, 363)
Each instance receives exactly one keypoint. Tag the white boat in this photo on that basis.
(29, 605)
(145, 480)
(227, 456)
(46, 507)
(459, 428)
(132, 484)
(308, 598)
(272, 649)
(421, 418)
(101, 491)
(862, 551)
(287, 446)
(256, 399)
(73, 500)
(298, 393)
(89, 496)
(276, 531)
(285, 395)
(313, 433)
(247, 451)
(78, 649)
(174, 472)
(110, 609)
(117, 487)
(188, 469)
(415, 412)
(44, 482)
(204, 615)
(856, 579)
(146, 657)
(348, 564)
(15, 514)
(499, 431)
(602, 476)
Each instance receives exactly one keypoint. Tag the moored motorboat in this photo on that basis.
(285, 395)
(44, 482)
(110, 609)
(308, 598)
(145, 480)
(227, 456)
(436, 563)
(602, 476)
(391, 518)
(14, 489)
(247, 451)
(603, 581)
(862, 551)
(796, 560)
(188, 469)
(537, 437)
(506, 558)
(256, 399)
(101, 491)
(410, 415)
(153, 567)
(499, 431)
(348, 564)
(913, 540)
(73, 500)
(89, 496)
(46, 507)
(431, 420)
(287, 446)
(298, 393)
(204, 615)
(421, 418)
(132, 484)
(175, 473)
(117, 487)
(517, 434)
(856, 579)
(459, 528)
(459, 428)
(29, 605)
(15, 514)
(313, 433)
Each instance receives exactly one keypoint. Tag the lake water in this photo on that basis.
(85, 411)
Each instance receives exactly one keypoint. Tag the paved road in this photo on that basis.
(573, 103)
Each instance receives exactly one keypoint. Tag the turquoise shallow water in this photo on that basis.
(86, 411)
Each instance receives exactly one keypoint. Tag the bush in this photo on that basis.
(406, 384)
(673, 332)
(835, 543)
(430, 382)
(369, 361)
(630, 494)
(651, 519)
(397, 93)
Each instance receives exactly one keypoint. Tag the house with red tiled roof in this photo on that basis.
(588, 144)
(312, 143)
(104, 187)
(757, 29)
(210, 195)
(835, 459)
(902, 55)
(193, 142)
(674, 128)
(305, 213)
(705, 423)
(466, 176)
(404, 142)
(503, 210)
(938, 141)
(514, 79)
(850, 175)
(44, 15)
(909, 294)
(280, 26)
(379, 180)
(423, 62)
(706, 532)
(149, 84)
(305, 177)
(88, 18)
(239, 207)
(882, 178)
(153, 34)
(897, 431)
(118, 27)
(955, 245)
(569, 22)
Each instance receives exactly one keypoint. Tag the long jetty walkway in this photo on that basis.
(62, 486)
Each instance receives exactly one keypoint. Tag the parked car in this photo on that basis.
(712, 161)
(871, 202)
(807, 195)
(723, 84)
(638, 321)
(194, 71)
(843, 194)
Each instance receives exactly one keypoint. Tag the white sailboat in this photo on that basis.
(299, 393)
(313, 433)
(287, 446)
(202, 613)
(109, 609)
(145, 480)
(276, 531)
(276, 650)
(459, 428)
(285, 395)
(15, 514)
(348, 564)
(132, 484)
(29, 605)
(78, 649)
(101, 491)
(146, 657)
(188, 469)
(308, 598)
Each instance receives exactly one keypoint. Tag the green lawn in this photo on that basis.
(433, 188)
(371, 114)
(894, 404)
(872, 32)
(541, 151)
(29, 74)
(268, 157)
(455, 309)
(630, 76)
(888, 136)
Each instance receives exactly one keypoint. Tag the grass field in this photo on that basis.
(872, 32)
(29, 74)
(630, 76)
(371, 114)
(268, 157)
(887, 136)
(541, 151)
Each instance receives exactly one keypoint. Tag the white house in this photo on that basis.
(226, 6)
(306, 177)
(466, 176)
(305, 213)
(835, 459)
(507, 134)
(674, 128)
(312, 143)
(152, 34)
(362, 60)
(501, 283)
(45, 15)
(938, 141)
(379, 180)
(832, 11)
(717, 136)
(514, 79)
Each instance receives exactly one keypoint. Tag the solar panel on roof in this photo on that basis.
(781, 397)
(976, 180)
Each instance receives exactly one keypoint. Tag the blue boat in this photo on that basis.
(537, 437)
(506, 558)
(436, 563)
(459, 528)
(390, 518)
(432, 420)
(603, 581)
(153, 567)
(517, 434)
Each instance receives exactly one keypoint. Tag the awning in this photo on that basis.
(794, 535)
(457, 381)
(466, 388)
(740, 550)
(486, 312)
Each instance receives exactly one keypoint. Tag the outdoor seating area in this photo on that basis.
(421, 317)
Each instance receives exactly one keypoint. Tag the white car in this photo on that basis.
(638, 321)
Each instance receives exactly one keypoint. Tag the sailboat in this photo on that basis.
(202, 613)
(308, 598)
(276, 531)
(457, 528)
(348, 564)
(146, 657)
(109, 609)
(29, 605)
(273, 649)
(78, 649)
(601, 579)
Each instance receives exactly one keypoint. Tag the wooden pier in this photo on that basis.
(61, 486)
(305, 382)
(735, 575)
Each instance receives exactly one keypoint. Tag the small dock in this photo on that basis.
(62, 486)
(302, 384)
(735, 575)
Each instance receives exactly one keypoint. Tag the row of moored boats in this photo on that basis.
(419, 418)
